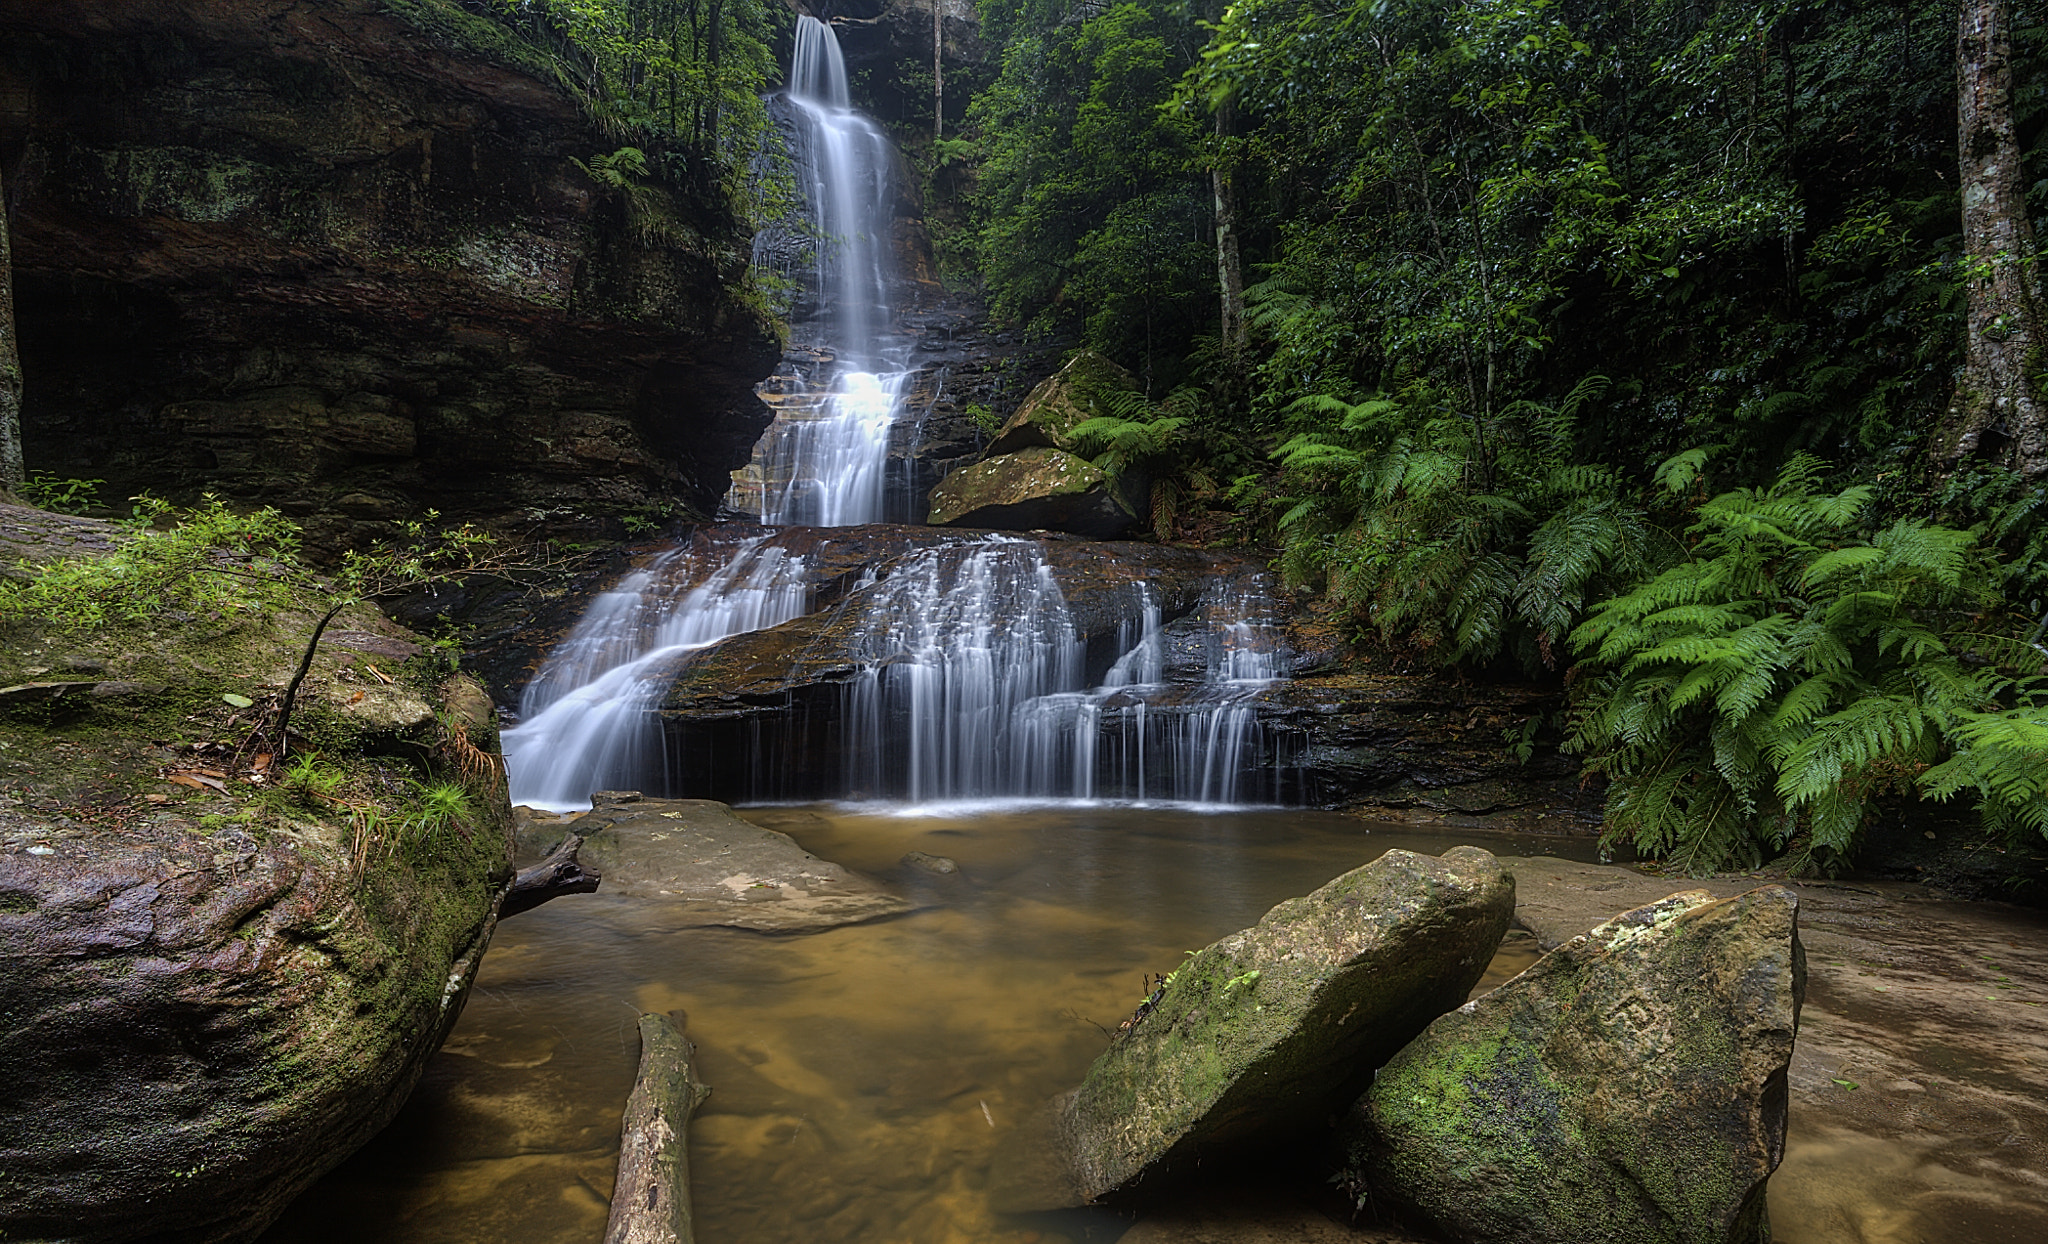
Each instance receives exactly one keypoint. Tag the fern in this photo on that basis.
(1457, 539)
(1755, 699)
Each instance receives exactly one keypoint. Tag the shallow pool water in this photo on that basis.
(865, 1078)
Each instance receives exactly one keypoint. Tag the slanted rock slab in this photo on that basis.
(717, 868)
(1036, 488)
(1265, 1034)
(1630, 1087)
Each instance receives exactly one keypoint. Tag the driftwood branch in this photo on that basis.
(558, 874)
(651, 1200)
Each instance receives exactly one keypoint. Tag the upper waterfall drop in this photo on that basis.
(824, 460)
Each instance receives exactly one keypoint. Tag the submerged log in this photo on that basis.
(558, 874)
(651, 1200)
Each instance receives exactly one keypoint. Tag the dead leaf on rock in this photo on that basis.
(196, 782)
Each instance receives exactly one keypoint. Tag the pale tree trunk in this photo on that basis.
(11, 470)
(1229, 265)
(938, 79)
(1996, 412)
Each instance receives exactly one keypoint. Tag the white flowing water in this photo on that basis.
(823, 462)
(975, 688)
(586, 719)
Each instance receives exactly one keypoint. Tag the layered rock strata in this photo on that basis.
(336, 256)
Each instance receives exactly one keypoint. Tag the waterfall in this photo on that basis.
(585, 720)
(973, 677)
(824, 460)
(973, 687)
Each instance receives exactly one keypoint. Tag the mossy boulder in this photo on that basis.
(1263, 1036)
(1034, 489)
(216, 989)
(1049, 413)
(1630, 1087)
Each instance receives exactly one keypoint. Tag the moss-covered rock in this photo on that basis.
(221, 978)
(1034, 489)
(1049, 413)
(1630, 1087)
(1263, 1035)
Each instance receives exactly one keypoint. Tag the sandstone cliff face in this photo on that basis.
(335, 256)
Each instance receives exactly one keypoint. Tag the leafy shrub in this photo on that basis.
(1756, 697)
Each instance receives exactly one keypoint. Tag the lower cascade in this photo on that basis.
(975, 687)
(586, 718)
(972, 680)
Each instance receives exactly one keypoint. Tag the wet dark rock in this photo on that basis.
(1631, 1086)
(1260, 1036)
(335, 257)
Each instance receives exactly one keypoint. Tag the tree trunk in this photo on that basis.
(1229, 265)
(11, 470)
(938, 79)
(651, 1199)
(1996, 412)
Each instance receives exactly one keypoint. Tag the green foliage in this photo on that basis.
(1090, 204)
(63, 496)
(436, 808)
(679, 74)
(214, 560)
(1757, 696)
(311, 784)
(1457, 537)
(1153, 439)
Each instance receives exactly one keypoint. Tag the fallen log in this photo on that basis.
(651, 1198)
(558, 874)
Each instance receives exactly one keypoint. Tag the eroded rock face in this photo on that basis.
(1262, 1035)
(336, 257)
(1630, 1087)
(199, 1025)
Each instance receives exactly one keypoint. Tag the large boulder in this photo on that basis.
(222, 974)
(1048, 415)
(1630, 1087)
(1034, 489)
(1263, 1035)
